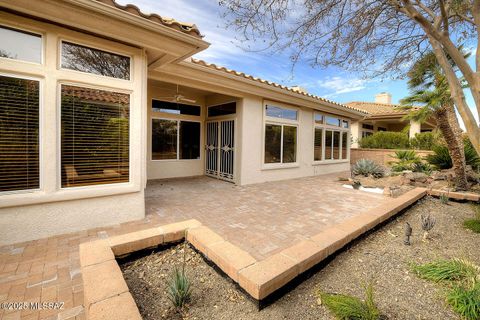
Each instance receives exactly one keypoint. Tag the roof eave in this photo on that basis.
(355, 114)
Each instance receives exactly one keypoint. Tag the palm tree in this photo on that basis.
(429, 87)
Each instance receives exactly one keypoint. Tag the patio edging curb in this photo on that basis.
(259, 279)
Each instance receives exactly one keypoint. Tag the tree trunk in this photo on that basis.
(449, 127)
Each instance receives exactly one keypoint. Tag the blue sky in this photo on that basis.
(332, 83)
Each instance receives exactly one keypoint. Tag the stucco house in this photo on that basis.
(98, 98)
(383, 115)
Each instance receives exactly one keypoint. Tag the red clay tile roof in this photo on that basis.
(270, 83)
(373, 108)
(187, 28)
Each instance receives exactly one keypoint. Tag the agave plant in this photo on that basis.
(367, 167)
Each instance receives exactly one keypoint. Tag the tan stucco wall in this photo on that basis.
(252, 127)
(24, 223)
(163, 169)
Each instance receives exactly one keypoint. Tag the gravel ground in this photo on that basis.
(380, 257)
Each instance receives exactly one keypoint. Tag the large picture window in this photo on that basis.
(175, 139)
(280, 143)
(330, 138)
(85, 59)
(94, 136)
(19, 134)
(280, 134)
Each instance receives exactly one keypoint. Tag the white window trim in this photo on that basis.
(324, 126)
(178, 120)
(95, 47)
(59, 139)
(5, 194)
(282, 106)
(281, 122)
(42, 49)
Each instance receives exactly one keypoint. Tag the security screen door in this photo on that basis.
(220, 149)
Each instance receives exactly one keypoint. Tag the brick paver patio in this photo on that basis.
(261, 219)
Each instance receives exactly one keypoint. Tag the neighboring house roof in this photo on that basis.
(187, 28)
(270, 83)
(379, 109)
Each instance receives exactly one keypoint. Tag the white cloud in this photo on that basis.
(340, 85)
(206, 15)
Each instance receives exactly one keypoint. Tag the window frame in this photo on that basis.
(94, 46)
(40, 80)
(281, 122)
(326, 127)
(32, 31)
(225, 116)
(153, 117)
(59, 136)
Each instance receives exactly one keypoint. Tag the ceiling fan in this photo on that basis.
(178, 98)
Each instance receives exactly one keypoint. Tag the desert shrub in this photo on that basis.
(367, 167)
(385, 140)
(472, 224)
(444, 198)
(425, 140)
(351, 308)
(465, 301)
(447, 270)
(179, 289)
(441, 158)
(409, 160)
(464, 284)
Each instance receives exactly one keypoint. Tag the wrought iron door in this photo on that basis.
(219, 149)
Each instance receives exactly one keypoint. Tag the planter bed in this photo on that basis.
(380, 256)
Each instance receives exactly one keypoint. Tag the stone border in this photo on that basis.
(469, 196)
(107, 295)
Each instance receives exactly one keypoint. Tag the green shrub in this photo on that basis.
(179, 289)
(409, 160)
(465, 301)
(425, 140)
(385, 140)
(464, 286)
(472, 224)
(447, 270)
(441, 158)
(351, 308)
(367, 167)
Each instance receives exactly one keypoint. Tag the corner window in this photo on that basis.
(20, 45)
(80, 58)
(19, 134)
(280, 143)
(282, 113)
(94, 136)
(175, 139)
(175, 108)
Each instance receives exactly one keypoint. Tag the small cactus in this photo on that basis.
(428, 222)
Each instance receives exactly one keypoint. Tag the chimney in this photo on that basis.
(298, 89)
(383, 97)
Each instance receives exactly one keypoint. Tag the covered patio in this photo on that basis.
(262, 219)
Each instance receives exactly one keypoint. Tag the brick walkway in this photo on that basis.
(262, 219)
